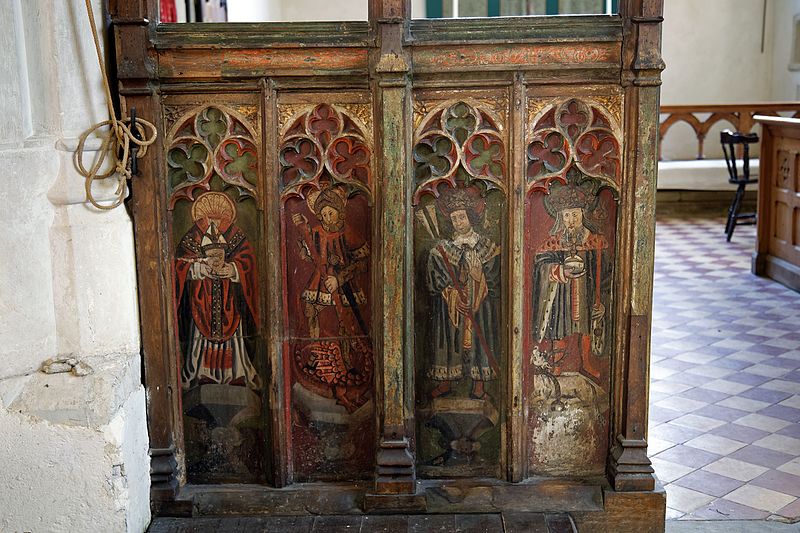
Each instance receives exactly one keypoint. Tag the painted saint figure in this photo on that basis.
(568, 284)
(463, 277)
(216, 290)
(332, 300)
(338, 256)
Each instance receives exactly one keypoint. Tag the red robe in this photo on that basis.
(341, 254)
(217, 307)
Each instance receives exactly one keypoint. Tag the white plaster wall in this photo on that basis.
(785, 82)
(11, 129)
(712, 49)
(73, 449)
(295, 10)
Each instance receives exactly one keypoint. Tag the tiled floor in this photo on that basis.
(725, 387)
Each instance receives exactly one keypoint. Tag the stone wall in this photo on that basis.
(73, 448)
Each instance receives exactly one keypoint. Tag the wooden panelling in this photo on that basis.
(376, 252)
(778, 244)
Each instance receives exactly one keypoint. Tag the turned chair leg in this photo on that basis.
(733, 214)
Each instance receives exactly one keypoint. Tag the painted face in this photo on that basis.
(330, 216)
(460, 221)
(573, 218)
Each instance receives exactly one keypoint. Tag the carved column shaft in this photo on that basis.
(131, 22)
(630, 468)
(395, 464)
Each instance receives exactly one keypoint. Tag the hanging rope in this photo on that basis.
(121, 142)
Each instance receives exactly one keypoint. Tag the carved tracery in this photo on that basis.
(324, 143)
(459, 137)
(573, 132)
(207, 142)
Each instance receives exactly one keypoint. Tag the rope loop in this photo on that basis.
(116, 144)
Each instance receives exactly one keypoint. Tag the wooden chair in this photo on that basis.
(729, 142)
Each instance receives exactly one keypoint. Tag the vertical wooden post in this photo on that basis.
(132, 23)
(517, 460)
(392, 282)
(279, 434)
(630, 468)
(767, 163)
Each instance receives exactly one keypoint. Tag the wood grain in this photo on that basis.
(613, 61)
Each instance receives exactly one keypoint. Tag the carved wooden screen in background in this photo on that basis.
(396, 254)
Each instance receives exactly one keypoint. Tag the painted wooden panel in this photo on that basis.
(573, 171)
(515, 56)
(784, 178)
(212, 162)
(238, 63)
(325, 158)
(460, 169)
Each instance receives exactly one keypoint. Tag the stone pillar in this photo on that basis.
(74, 442)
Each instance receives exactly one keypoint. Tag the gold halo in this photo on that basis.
(311, 199)
(214, 205)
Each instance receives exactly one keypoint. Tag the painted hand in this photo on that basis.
(462, 305)
(299, 219)
(331, 284)
(305, 255)
(598, 311)
(227, 271)
(204, 270)
(475, 266)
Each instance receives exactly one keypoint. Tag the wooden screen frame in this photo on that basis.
(390, 56)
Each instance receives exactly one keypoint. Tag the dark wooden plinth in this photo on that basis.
(642, 512)
(776, 268)
(593, 507)
(464, 523)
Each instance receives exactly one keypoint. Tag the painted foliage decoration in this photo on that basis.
(459, 201)
(212, 163)
(325, 179)
(573, 168)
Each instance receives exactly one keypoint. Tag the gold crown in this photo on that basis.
(460, 199)
(570, 195)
